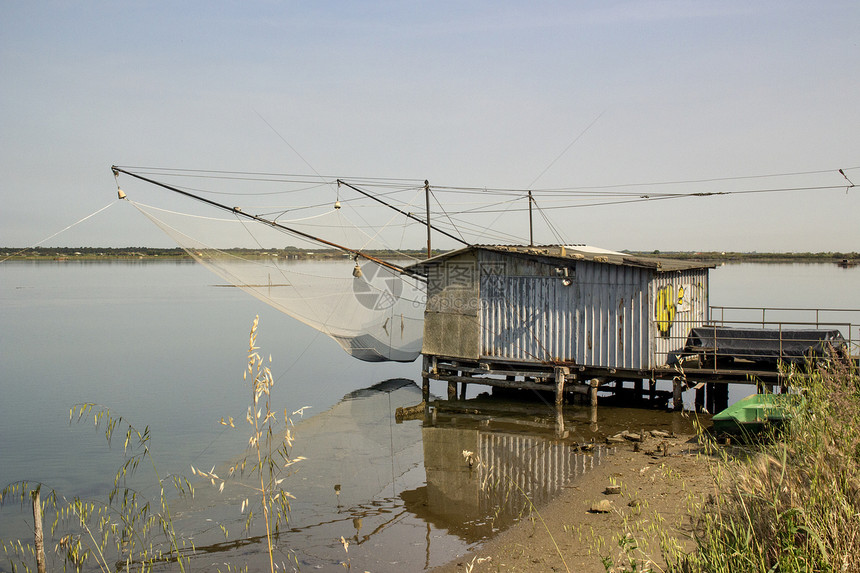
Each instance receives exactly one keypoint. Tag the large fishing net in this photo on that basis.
(374, 312)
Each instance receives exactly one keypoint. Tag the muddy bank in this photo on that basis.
(655, 481)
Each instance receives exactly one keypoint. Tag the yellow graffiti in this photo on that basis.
(665, 308)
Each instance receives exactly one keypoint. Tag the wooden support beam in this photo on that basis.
(592, 393)
(710, 397)
(498, 382)
(452, 390)
(39, 540)
(677, 395)
(560, 377)
(425, 384)
(721, 398)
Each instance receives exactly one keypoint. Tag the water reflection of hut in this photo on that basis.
(487, 489)
(560, 314)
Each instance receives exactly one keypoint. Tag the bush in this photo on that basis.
(793, 502)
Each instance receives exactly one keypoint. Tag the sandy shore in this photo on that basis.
(655, 489)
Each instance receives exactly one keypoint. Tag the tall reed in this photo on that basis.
(270, 459)
(792, 501)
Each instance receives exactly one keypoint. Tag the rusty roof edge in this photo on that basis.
(571, 253)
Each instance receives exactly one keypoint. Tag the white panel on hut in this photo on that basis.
(678, 302)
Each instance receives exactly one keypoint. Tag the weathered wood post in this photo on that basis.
(425, 384)
(592, 392)
(677, 395)
(637, 389)
(700, 396)
(711, 398)
(452, 391)
(561, 373)
(39, 536)
(721, 397)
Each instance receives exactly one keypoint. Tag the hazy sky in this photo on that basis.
(486, 94)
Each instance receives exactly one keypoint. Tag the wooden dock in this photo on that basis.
(560, 384)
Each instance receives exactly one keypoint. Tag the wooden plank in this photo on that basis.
(550, 387)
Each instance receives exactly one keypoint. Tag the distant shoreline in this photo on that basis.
(152, 253)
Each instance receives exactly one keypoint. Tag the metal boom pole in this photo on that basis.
(238, 211)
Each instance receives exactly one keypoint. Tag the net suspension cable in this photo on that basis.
(238, 211)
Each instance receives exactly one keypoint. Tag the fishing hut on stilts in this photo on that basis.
(572, 321)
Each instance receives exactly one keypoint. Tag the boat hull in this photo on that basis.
(752, 415)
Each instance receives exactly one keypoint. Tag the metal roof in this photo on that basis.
(572, 253)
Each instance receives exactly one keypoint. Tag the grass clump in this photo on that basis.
(792, 501)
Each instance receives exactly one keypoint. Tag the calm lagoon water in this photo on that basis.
(159, 344)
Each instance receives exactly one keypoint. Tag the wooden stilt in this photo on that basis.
(677, 395)
(710, 397)
(425, 386)
(39, 535)
(721, 397)
(560, 377)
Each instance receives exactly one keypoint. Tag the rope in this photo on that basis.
(577, 138)
(58, 232)
(450, 220)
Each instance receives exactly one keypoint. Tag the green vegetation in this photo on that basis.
(749, 257)
(788, 503)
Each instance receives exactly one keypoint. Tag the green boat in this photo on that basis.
(752, 414)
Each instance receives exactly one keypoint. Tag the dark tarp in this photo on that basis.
(760, 345)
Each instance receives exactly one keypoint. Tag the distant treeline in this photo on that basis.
(95, 253)
(729, 256)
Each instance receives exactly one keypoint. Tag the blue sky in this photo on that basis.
(485, 94)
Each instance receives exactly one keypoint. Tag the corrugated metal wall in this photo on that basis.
(600, 319)
(501, 306)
